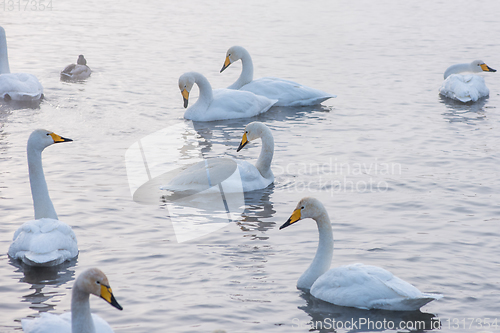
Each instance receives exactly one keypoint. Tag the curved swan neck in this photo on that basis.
(324, 254)
(4, 58)
(246, 75)
(206, 95)
(457, 69)
(81, 318)
(263, 163)
(39, 191)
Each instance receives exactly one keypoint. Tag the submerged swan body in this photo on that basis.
(79, 320)
(16, 86)
(45, 241)
(465, 88)
(211, 172)
(360, 286)
(220, 104)
(288, 93)
(76, 72)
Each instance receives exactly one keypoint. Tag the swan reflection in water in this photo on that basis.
(327, 317)
(51, 278)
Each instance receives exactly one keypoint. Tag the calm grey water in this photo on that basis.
(410, 180)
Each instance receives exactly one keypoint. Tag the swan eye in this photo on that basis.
(47, 134)
(246, 132)
(302, 207)
(98, 282)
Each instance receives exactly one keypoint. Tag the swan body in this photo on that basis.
(465, 88)
(220, 104)
(16, 86)
(357, 285)
(76, 72)
(79, 320)
(288, 93)
(45, 241)
(207, 173)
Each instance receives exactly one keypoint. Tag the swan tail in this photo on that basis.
(404, 304)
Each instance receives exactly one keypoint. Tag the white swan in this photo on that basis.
(288, 93)
(360, 286)
(465, 88)
(76, 72)
(204, 174)
(220, 104)
(45, 241)
(16, 86)
(79, 320)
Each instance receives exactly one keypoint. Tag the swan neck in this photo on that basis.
(81, 317)
(263, 163)
(4, 58)
(324, 254)
(246, 75)
(206, 95)
(457, 69)
(39, 191)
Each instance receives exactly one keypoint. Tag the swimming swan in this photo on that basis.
(465, 88)
(288, 93)
(211, 172)
(79, 320)
(357, 285)
(45, 241)
(16, 86)
(220, 104)
(76, 72)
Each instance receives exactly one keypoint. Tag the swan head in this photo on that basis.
(478, 66)
(233, 54)
(252, 131)
(81, 60)
(307, 207)
(94, 281)
(41, 139)
(186, 83)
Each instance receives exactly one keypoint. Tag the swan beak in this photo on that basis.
(294, 218)
(185, 95)
(107, 295)
(58, 138)
(226, 64)
(486, 68)
(243, 142)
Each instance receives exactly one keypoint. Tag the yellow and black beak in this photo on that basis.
(486, 68)
(107, 295)
(185, 96)
(58, 138)
(294, 218)
(227, 62)
(243, 142)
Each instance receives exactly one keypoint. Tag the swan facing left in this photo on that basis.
(465, 87)
(21, 87)
(357, 285)
(76, 72)
(79, 320)
(220, 104)
(211, 172)
(45, 241)
(288, 93)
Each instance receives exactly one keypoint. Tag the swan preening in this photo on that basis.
(76, 72)
(79, 320)
(220, 104)
(16, 86)
(45, 241)
(288, 93)
(357, 285)
(465, 88)
(211, 172)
